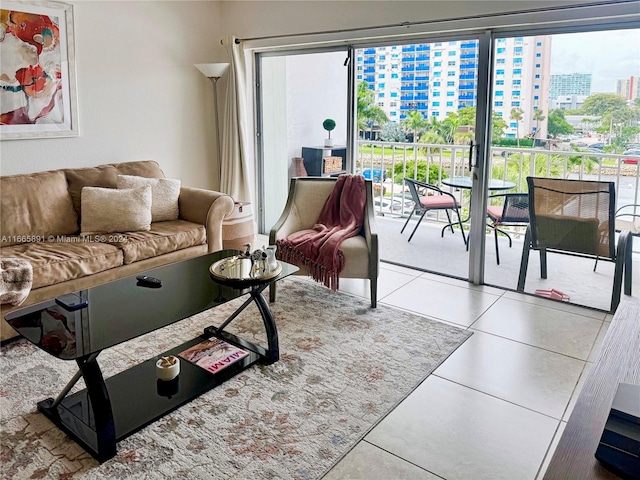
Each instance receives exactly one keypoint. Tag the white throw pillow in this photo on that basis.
(164, 195)
(106, 210)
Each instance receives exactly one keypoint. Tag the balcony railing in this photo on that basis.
(401, 160)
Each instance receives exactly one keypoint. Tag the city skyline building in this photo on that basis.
(629, 88)
(441, 77)
(570, 84)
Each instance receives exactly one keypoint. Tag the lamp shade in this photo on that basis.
(212, 70)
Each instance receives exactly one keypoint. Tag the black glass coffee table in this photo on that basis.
(111, 409)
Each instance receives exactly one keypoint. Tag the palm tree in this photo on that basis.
(538, 116)
(415, 123)
(369, 114)
(516, 114)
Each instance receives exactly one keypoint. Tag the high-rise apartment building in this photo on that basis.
(570, 84)
(441, 77)
(629, 88)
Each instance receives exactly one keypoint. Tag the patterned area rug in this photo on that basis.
(343, 367)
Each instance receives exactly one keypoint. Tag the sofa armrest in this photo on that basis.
(208, 208)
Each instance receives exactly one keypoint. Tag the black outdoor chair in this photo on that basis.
(514, 212)
(432, 198)
(576, 217)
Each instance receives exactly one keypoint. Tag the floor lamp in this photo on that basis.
(214, 71)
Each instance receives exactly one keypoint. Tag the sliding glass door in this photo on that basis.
(298, 92)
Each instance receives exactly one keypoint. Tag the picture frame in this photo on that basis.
(38, 97)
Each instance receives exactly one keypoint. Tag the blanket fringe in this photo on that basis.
(317, 271)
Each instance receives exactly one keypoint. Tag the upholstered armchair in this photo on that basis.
(307, 196)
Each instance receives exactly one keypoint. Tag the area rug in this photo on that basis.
(343, 367)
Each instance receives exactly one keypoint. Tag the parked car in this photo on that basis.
(597, 146)
(631, 161)
(376, 174)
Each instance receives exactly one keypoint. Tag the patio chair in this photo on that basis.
(627, 220)
(432, 198)
(307, 196)
(576, 217)
(514, 212)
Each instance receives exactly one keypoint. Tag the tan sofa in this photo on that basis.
(40, 222)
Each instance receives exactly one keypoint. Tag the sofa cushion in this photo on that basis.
(164, 237)
(77, 178)
(36, 204)
(140, 168)
(56, 262)
(164, 195)
(108, 210)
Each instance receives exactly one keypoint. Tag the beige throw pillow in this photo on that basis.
(164, 195)
(106, 210)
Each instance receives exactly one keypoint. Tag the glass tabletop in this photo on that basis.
(124, 309)
(465, 182)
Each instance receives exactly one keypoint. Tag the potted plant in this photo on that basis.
(328, 125)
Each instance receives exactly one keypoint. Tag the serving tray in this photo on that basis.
(241, 270)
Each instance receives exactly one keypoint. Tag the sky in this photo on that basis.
(608, 56)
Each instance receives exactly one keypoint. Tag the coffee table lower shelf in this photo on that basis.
(137, 398)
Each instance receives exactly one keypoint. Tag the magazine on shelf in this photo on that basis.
(213, 354)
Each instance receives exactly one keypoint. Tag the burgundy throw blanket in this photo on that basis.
(318, 249)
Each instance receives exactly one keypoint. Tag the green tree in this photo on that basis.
(415, 123)
(393, 132)
(369, 114)
(557, 124)
(603, 103)
(516, 114)
(538, 116)
(498, 126)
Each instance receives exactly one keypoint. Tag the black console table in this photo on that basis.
(313, 159)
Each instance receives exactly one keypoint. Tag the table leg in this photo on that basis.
(94, 428)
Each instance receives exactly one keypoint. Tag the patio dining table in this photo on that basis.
(466, 183)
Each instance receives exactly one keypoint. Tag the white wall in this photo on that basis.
(139, 95)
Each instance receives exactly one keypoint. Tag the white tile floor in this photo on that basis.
(497, 406)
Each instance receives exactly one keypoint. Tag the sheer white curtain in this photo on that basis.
(236, 173)
(235, 177)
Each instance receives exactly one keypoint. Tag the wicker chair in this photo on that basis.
(514, 211)
(576, 217)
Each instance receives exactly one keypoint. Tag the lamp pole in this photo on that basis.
(214, 71)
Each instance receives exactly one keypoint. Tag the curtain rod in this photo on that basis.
(441, 20)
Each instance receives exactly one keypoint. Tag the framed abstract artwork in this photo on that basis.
(38, 97)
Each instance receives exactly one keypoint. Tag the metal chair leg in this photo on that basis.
(524, 262)
(417, 225)
(495, 232)
(409, 218)
(543, 263)
(373, 286)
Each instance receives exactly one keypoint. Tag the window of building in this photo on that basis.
(500, 71)
(381, 86)
(537, 65)
(500, 61)
(515, 104)
(536, 87)
(537, 75)
(393, 104)
(359, 77)
(453, 53)
(449, 104)
(437, 74)
(393, 114)
(451, 74)
(451, 83)
(499, 82)
(517, 71)
(394, 75)
(517, 50)
(517, 82)
(382, 57)
(515, 93)
(437, 44)
(381, 104)
(513, 125)
(452, 63)
(435, 104)
(501, 50)
(437, 64)
(437, 54)
(394, 94)
(394, 66)
(538, 55)
(538, 44)
(381, 76)
(436, 94)
(517, 61)
(435, 113)
(535, 97)
(497, 104)
(381, 95)
(499, 93)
